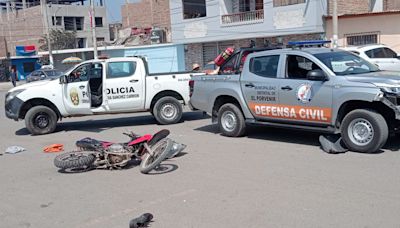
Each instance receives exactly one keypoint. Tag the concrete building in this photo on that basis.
(25, 22)
(208, 27)
(367, 22)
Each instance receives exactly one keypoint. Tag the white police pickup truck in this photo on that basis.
(116, 85)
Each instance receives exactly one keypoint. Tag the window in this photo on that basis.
(229, 66)
(265, 66)
(121, 69)
(80, 74)
(79, 23)
(28, 67)
(287, 2)
(81, 42)
(98, 21)
(194, 8)
(381, 53)
(57, 21)
(99, 39)
(362, 39)
(297, 67)
(69, 23)
(345, 63)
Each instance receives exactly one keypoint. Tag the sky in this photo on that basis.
(114, 9)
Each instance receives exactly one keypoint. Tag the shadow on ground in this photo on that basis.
(104, 124)
(292, 136)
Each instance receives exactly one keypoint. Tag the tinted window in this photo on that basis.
(265, 66)
(381, 53)
(297, 67)
(345, 63)
(53, 73)
(390, 53)
(35, 73)
(121, 69)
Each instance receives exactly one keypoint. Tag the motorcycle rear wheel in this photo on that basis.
(161, 150)
(74, 160)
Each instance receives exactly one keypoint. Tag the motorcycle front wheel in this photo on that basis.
(161, 150)
(74, 160)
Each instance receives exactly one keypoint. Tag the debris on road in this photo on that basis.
(14, 149)
(176, 149)
(53, 148)
(332, 144)
(141, 221)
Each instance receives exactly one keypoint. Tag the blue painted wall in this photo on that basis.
(161, 58)
(19, 64)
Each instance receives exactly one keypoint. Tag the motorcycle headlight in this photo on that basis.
(11, 95)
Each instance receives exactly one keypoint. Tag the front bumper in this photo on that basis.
(12, 108)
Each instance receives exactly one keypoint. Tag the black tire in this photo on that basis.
(231, 121)
(40, 120)
(161, 150)
(74, 160)
(167, 110)
(372, 132)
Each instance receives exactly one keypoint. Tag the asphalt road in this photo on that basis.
(271, 178)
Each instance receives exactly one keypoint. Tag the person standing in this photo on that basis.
(13, 77)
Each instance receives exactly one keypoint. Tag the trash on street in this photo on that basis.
(14, 149)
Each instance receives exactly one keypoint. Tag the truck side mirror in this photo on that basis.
(63, 79)
(317, 75)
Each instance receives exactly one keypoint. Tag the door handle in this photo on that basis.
(81, 87)
(133, 80)
(249, 85)
(287, 88)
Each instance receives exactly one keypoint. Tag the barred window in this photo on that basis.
(362, 39)
(287, 2)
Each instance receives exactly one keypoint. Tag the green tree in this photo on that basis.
(59, 40)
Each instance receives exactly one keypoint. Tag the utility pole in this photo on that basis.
(46, 25)
(127, 13)
(335, 24)
(93, 26)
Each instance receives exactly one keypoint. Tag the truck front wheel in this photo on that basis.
(167, 110)
(364, 131)
(231, 121)
(40, 120)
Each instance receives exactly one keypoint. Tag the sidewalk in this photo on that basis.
(5, 86)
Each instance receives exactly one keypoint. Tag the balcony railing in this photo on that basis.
(243, 17)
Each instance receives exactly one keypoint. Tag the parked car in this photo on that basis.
(379, 54)
(43, 74)
(318, 89)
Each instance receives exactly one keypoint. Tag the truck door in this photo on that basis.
(308, 102)
(125, 83)
(76, 91)
(260, 84)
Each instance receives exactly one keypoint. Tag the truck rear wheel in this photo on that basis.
(167, 110)
(231, 121)
(364, 131)
(40, 120)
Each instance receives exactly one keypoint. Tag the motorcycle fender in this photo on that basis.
(158, 136)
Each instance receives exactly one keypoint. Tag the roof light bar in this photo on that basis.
(306, 43)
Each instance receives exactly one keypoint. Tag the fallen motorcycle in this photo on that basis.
(150, 149)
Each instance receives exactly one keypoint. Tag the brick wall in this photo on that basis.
(146, 13)
(391, 5)
(350, 7)
(22, 28)
(194, 52)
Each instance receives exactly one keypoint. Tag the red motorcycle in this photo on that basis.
(150, 149)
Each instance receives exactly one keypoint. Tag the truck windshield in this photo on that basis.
(345, 63)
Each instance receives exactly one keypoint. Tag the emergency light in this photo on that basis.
(308, 43)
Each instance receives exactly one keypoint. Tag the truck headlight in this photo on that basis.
(388, 88)
(11, 95)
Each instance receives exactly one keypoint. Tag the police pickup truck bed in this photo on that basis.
(317, 89)
(116, 85)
